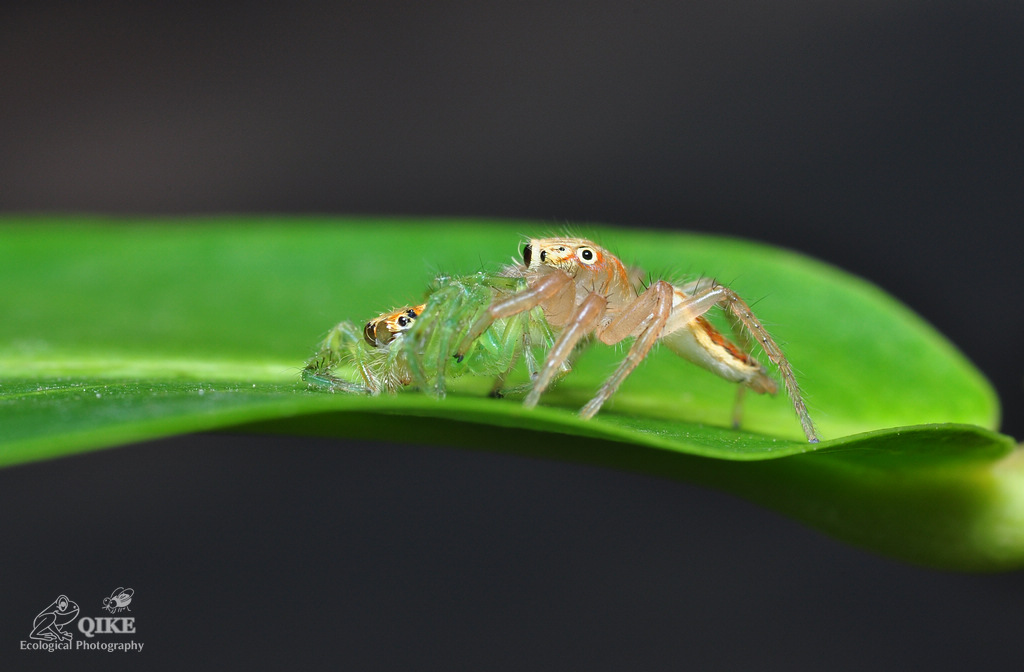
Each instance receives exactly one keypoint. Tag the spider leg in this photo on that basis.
(738, 307)
(498, 388)
(737, 408)
(644, 317)
(743, 338)
(319, 377)
(535, 328)
(343, 340)
(550, 290)
(686, 314)
(583, 321)
(513, 338)
(453, 305)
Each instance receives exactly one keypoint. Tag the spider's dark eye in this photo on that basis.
(587, 255)
(527, 254)
(411, 313)
(403, 320)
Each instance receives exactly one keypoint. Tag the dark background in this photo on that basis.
(883, 137)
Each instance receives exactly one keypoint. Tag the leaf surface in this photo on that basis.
(117, 331)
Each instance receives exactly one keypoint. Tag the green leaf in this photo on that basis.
(120, 331)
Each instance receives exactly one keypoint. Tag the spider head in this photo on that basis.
(382, 329)
(572, 255)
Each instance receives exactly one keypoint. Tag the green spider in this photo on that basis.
(415, 346)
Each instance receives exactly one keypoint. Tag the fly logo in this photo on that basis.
(118, 600)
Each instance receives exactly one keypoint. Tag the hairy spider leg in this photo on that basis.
(692, 337)
(741, 353)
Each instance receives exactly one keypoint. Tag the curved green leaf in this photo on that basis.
(115, 332)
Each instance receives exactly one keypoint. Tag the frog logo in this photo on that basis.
(118, 600)
(48, 626)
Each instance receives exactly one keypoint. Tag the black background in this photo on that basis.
(882, 137)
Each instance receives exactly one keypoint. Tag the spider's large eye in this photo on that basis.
(403, 321)
(586, 255)
(527, 254)
(370, 333)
